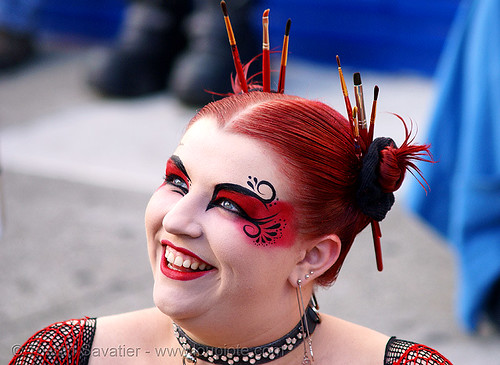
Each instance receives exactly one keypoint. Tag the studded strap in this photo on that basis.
(246, 355)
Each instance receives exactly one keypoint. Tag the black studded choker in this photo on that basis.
(246, 355)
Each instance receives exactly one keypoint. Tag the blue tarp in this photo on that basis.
(464, 203)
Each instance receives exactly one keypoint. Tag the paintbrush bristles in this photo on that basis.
(229, 28)
(357, 78)
(223, 7)
(287, 27)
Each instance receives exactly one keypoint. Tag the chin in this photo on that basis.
(177, 303)
(170, 305)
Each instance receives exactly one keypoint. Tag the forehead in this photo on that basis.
(218, 156)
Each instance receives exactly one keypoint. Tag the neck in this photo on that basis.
(247, 325)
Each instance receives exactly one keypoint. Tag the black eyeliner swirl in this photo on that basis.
(257, 185)
(263, 230)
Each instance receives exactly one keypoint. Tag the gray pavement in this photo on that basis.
(78, 172)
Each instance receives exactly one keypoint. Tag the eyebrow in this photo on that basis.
(177, 162)
(236, 189)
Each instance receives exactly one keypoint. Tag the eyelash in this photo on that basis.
(235, 210)
(170, 179)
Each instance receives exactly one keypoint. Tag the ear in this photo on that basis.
(317, 258)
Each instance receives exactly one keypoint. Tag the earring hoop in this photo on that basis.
(305, 328)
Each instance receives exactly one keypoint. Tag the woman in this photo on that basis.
(258, 207)
(260, 204)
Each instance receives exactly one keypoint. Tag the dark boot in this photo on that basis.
(493, 306)
(15, 49)
(151, 38)
(207, 64)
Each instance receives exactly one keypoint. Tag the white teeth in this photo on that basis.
(178, 261)
(171, 258)
(187, 263)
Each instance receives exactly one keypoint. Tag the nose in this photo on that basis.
(183, 218)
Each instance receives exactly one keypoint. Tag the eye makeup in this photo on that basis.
(263, 218)
(176, 174)
(177, 166)
(249, 204)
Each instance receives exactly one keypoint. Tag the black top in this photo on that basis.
(70, 342)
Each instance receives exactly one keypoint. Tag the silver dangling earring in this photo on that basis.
(309, 336)
(306, 335)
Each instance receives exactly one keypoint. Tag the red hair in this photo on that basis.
(316, 147)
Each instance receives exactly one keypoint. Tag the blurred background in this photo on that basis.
(387, 35)
(89, 116)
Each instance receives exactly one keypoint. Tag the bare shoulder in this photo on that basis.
(131, 322)
(349, 342)
(129, 337)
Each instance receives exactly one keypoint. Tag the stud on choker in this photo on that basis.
(192, 351)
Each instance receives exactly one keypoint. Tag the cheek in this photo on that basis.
(274, 227)
(152, 222)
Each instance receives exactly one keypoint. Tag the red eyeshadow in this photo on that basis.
(173, 169)
(264, 219)
(266, 225)
(276, 229)
(250, 205)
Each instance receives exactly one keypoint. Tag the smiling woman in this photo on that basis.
(261, 202)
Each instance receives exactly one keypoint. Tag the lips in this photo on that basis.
(180, 264)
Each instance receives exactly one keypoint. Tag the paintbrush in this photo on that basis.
(373, 114)
(234, 48)
(284, 57)
(266, 62)
(346, 95)
(357, 147)
(355, 122)
(360, 103)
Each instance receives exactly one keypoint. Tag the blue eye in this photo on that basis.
(177, 182)
(229, 206)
